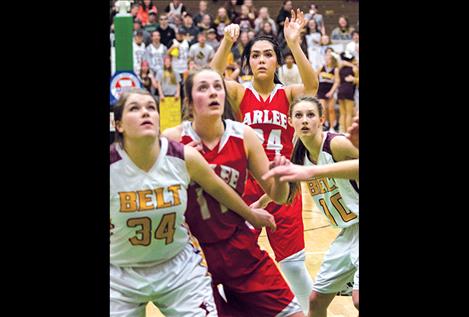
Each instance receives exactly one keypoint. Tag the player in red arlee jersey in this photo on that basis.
(263, 104)
(252, 284)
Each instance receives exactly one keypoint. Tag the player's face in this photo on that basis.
(305, 119)
(208, 94)
(263, 60)
(140, 118)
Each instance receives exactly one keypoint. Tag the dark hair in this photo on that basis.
(299, 151)
(189, 84)
(118, 109)
(247, 54)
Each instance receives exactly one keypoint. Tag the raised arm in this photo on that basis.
(219, 61)
(201, 172)
(235, 91)
(292, 31)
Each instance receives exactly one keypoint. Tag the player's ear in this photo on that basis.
(118, 126)
(290, 122)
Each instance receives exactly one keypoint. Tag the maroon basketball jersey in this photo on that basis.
(269, 119)
(208, 220)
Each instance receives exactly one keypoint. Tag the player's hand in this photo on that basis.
(292, 27)
(231, 33)
(279, 160)
(196, 144)
(288, 173)
(262, 218)
(353, 132)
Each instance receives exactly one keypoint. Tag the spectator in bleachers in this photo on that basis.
(238, 48)
(343, 32)
(313, 42)
(212, 39)
(352, 47)
(145, 34)
(200, 52)
(155, 52)
(176, 21)
(206, 23)
(146, 6)
(146, 78)
(314, 14)
(348, 75)
(231, 9)
(134, 10)
(251, 34)
(252, 9)
(152, 24)
(328, 84)
(175, 7)
(190, 29)
(325, 43)
(221, 20)
(180, 55)
(244, 21)
(202, 11)
(168, 80)
(288, 73)
(285, 12)
(264, 17)
(167, 33)
(190, 67)
(138, 50)
(266, 29)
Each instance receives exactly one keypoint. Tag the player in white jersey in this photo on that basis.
(336, 197)
(151, 255)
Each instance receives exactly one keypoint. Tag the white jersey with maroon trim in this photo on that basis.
(208, 220)
(147, 208)
(269, 119)
(337, 198)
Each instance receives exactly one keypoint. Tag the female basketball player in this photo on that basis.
(336, 197)
(263, 104)
(151, 257)
(252, 284)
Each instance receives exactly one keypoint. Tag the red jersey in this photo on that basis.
(269, 119)
(208, 220)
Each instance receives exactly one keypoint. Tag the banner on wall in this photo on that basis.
(170, 112)
(122, 81)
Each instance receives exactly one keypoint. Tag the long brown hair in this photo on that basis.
(299, 151)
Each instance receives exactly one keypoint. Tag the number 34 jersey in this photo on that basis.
(147, 208)
(269, 119)
(337, 198)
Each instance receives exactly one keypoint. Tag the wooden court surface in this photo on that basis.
(318, 236)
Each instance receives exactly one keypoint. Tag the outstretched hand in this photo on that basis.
(288, 173)
(292, 27)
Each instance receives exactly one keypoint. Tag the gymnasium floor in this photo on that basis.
(318, 235)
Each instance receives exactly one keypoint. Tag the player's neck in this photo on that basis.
(208, 129)
(143, 153)
(313, 145)
(264, 87)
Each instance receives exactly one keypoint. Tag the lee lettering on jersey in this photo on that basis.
(265, 116)
(144, 200)
(228, 174)
(320, 185)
